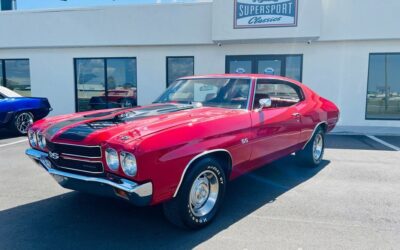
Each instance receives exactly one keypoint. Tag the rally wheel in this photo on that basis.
(200, 196)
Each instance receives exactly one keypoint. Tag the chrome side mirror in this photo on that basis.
(265, 103)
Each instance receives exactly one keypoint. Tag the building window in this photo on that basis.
(383, 96)
(15, 75)
(283, 65)
(179, 67)
(105, 83)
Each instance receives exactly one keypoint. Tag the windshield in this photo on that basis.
(8, 93)
(220, 92)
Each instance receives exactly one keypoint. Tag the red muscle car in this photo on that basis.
(184, 148)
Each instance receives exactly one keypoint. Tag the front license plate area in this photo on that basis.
(45, 162)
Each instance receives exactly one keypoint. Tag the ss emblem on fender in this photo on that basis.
(245, 140)
(54, 156)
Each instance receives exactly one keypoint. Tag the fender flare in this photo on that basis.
(194, 159)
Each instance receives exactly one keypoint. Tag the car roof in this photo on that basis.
(252, 76)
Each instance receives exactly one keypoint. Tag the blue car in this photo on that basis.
(18, 113)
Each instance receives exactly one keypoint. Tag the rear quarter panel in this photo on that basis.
(316, 110)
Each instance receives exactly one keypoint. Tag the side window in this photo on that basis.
(282, 94)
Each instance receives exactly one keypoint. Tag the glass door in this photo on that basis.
(280, 65)
(270, 67)
(240, 66)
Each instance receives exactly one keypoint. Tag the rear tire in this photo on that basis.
(312, 154)
(200, 196)
(21, 123)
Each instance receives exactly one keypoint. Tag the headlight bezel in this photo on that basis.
(131, 169)
(41, 140)
(114, 163)
(32, 137)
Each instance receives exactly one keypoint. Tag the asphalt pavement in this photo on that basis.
(352, 201)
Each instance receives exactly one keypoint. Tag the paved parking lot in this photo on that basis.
(351, 202)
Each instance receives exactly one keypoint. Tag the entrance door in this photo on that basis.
(280, 65)
(271, 67)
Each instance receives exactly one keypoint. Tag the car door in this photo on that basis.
(276, 130)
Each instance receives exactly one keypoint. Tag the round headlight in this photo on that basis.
(41, 140)
(32, 138)
(128, 163)
(112, 159)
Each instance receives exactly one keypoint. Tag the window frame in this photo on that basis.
(166, 67)
(366, 94)
(256, 58)
(4, 73)
(300, 91)
(105, 76)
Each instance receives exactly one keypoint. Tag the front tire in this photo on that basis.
(21, 122)
(312, 154)
(199, 197)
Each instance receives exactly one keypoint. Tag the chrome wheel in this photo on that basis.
(204, 193)
(318, 146)
(22, 122)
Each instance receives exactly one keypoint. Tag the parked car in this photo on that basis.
(122, 98)
(182, 150)
(18, 113)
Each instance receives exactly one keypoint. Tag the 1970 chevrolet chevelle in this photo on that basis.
(181, 150)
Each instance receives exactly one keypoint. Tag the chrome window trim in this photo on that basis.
(315, 129)
(236, 77)
(195, 158)
(274, 79)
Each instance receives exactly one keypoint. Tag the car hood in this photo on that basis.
(125, 125)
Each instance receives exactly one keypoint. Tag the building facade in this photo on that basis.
(348, 51)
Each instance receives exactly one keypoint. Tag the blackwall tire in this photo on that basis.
(21, 122)
(200, 196)
(312, 155)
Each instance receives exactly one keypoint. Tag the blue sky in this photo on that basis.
(43, 4)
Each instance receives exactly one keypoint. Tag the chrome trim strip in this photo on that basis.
(143, 190)
(315, 129)
(83, 171)
(78, 145)
(195, 158)
(80, 158)
(82, 146)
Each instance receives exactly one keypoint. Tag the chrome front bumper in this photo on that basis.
(137, 194)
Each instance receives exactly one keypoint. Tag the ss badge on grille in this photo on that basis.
(54, 156)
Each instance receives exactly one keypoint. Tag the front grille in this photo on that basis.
(78, 166)
(75, 150)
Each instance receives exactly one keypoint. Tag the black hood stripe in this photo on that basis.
(55, 128)
(81, 131)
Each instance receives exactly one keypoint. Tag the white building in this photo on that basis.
(348, 51)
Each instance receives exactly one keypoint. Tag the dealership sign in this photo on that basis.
(265, 13)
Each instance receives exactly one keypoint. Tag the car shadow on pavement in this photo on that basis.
(7, 134)
(358, 142)
(79, 221)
